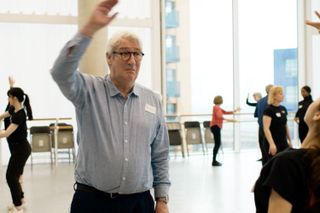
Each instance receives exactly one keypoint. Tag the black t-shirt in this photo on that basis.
(19, 118)
(278, 123)
(287, 174)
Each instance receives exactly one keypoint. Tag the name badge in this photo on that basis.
(150, 109)
(278, 114)
(300, 106)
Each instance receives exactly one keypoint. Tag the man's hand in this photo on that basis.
(100, 17)
(315, 24)
(161, 207)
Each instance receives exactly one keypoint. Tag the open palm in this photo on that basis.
(100, 17)
(313, 23)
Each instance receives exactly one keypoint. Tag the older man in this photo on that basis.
(123, 141)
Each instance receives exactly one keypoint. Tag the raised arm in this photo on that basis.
(11, 81)
(250, 103)
(64, 71)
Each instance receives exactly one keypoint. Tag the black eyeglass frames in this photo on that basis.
(126, 55)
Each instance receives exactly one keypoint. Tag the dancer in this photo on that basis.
(20, 147)
(216, 125)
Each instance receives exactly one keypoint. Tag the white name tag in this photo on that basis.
(150, 109)
(278, 114)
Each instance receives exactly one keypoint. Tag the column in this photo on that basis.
(94, 60)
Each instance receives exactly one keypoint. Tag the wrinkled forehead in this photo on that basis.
(128, 44)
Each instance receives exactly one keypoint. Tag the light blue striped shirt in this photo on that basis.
(123, 144)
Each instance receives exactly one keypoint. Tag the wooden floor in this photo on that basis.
(197, 187)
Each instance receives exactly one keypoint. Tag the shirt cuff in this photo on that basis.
(161, 191)
(77, 39)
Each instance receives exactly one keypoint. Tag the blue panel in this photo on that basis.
(172, 19)
(172, 54)
(173, 89)
(286, 75)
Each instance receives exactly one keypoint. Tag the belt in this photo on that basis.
(86, 188)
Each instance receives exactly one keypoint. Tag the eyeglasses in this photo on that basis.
(126, 55)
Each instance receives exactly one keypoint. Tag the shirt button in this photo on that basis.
(126, 141)
(126, 159)
(126, 123)
(123, 178)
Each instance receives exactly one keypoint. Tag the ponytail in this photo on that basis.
(27, 105)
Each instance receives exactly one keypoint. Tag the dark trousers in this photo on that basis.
(216, 131)
(280, 147)
(303, 131)
(262, 140)
(87, 201)
(19, 156)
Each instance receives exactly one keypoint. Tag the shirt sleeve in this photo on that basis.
(268, 112)
(226, 112)
(160, 160)
(249, 103)
(65, 69)
(18, 118)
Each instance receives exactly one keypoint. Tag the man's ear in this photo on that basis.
(108, 58)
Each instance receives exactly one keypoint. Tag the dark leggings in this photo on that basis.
(303, 131)
(216, 131)
(264, 152)
(19, 156)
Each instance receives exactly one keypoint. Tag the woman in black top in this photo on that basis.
(290, 182)
(16, 133)
(275, 124)
(302, 109)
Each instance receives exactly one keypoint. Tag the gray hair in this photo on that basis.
(116, 38)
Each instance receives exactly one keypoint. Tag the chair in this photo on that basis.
(193, 134)
(175, 137)
(65, 139)
(40, 137)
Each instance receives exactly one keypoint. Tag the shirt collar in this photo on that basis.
(114, 90)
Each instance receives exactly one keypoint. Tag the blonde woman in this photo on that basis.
(275, 125)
